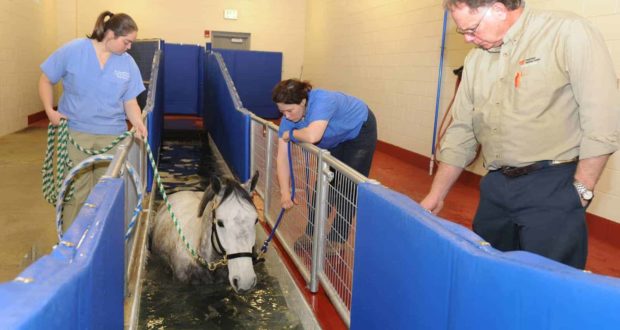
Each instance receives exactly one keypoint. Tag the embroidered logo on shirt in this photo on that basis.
(121, 75)
(529, 61)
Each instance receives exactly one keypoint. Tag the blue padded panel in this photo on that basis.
(201, 80)
(255, 74)
(142, 52)
(434, 274)
(75, 288)
(156, 120)
(520, 290)
(229, 128)
(182, 79)
(403, 268)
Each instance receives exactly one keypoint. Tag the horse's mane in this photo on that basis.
(234, 186)
(211, 173)
(230, 186)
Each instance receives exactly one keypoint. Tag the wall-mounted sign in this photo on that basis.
(231, 14)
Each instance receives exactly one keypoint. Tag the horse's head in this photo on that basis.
(234, 227)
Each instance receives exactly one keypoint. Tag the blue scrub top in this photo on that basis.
(344, 114)
(93, 98)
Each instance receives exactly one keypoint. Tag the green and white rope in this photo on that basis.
(83, 164)
(63, 163)
(51, 186)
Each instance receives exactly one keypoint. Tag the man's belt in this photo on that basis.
(514, 172)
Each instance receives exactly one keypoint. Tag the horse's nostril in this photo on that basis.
(235, 282)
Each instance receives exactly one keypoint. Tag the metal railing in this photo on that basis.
(319, 232)
(326, 195)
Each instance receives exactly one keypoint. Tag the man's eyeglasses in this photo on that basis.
(471, 31)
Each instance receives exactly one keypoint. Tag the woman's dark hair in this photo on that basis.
(291, 91)
(120, 24)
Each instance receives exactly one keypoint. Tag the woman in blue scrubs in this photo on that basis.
(100, 85)
(340, 123)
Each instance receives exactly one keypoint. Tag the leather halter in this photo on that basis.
(217, 244)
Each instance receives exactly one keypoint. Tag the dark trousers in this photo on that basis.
(540, 212)
(357, 154)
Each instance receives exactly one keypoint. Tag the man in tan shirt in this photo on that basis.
(539, 95)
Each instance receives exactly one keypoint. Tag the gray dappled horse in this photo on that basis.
(219, 222)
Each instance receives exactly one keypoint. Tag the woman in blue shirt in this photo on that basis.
(100, 85)
(340, 123)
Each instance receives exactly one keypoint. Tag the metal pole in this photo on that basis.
(114, 169)
(438, 96)
(268, 165)
(318, 242)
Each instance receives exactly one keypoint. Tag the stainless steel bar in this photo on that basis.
(268, 166)
(117, 164)
(320, 216)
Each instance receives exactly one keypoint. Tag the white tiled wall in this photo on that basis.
(26, 30)
(387, 53)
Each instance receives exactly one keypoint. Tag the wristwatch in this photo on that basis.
(585, 193)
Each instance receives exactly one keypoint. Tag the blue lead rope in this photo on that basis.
(263, 249)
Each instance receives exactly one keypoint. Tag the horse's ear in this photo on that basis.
(251, 184)
(212, 189)
(216, 184)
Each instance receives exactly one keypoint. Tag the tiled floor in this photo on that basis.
(27, 221)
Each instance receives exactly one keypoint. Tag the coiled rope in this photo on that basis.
(51, 185)
(88, 162)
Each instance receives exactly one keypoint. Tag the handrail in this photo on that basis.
(150, 98)
(118, 163)
(229, 83)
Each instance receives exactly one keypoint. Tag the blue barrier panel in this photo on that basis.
(228, 127)
(182, 64)
(403, 268)
(79, 286)
(201, 80)
(156, 119)
(255, 74)
(520, 290)
(415, 271)
(142, 52)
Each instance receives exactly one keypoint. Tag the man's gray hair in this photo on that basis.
(475, 4)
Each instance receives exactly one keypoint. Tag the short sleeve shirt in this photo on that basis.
(344, 114)
(93, 98)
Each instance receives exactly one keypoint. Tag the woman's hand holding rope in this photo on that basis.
(55, 117)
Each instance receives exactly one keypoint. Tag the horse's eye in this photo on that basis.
(255, 222)
(220, 223)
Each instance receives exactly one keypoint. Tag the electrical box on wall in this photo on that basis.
(231, 14)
